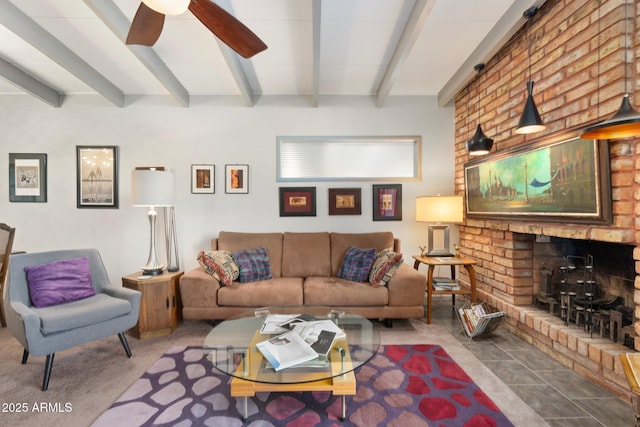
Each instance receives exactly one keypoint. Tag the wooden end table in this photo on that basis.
(432, 263)
(160, 305)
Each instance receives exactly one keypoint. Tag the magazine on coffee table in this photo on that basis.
(286, 350)
(280, 323)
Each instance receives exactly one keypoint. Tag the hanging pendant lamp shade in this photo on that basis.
(479, 144)
(530, 121)
(623, 124)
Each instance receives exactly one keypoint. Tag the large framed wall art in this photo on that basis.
(97, 176)
(563, 179)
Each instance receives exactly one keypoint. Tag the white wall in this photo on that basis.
(154, 131)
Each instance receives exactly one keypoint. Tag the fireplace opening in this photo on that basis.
(588, 284)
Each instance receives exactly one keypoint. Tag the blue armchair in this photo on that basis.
(44, 331)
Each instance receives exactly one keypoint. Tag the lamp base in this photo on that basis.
(440, 253)
(152, 271)
(173, 269)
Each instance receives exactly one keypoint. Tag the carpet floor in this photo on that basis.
(88, 379)
(403, 385)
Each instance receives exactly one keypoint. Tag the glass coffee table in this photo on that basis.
(231, 348)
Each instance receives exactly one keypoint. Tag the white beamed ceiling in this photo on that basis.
(377, 48)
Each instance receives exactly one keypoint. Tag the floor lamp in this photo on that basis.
(439, 211)
(152, 188)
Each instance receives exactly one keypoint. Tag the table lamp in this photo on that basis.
(439, 210)
(152, 188)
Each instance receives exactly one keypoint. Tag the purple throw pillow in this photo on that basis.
(59, 282)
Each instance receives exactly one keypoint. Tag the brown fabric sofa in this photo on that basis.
(304, 268)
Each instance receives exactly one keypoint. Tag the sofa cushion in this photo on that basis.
(219, 264)
(254, 264)
(356, 264)
(280, 291)
(336, 292)
(233, 241)
(77, 314)
(384, 267)
(306, 254)
(59, 282)
(340, 243)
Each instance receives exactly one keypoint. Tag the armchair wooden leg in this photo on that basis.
(48, 364)
(125, 344)
(25, 356)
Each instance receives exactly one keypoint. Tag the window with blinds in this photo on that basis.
(312, 158)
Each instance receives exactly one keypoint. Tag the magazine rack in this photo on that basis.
(478, 319)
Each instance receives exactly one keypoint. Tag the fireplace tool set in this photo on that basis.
(578, 299)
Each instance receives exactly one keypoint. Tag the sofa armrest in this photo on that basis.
(407, 287)
(199, 289)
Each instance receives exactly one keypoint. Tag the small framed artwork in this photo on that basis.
(297, 201)
(344, 201)
(387, 202)
(236, 179)
(27, 177)
(97, 176)
(203, 180)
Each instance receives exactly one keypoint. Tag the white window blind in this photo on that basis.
(348, 158)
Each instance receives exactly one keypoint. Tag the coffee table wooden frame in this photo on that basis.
(342, 381)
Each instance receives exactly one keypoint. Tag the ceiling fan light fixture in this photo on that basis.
(168, 7)
(625, 123)
(479, 144)
(530, 121)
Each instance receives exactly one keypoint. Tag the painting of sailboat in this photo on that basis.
(561, 179)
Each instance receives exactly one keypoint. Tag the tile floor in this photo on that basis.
(559, 395)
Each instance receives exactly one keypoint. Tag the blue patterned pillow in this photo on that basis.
(254, 264)
(356, 264)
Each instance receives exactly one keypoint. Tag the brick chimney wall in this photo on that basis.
(578, 64)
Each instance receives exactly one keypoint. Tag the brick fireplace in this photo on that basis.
(577, 83)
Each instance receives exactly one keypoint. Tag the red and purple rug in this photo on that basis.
(403, 385)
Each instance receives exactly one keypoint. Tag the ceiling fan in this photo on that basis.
(149, 19)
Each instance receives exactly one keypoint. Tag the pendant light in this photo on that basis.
(530, 121)
(625, 123)
(479, 144)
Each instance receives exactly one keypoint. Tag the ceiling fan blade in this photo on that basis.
(227, 28)
(146, 26)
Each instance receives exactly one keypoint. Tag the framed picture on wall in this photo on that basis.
(236, 179)
(297, 201)
(563, 178)
(203, 179)
(387, 202)
(97, 176)
(27, 177)
(344, 201)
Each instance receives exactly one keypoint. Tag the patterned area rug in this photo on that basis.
(417, 385)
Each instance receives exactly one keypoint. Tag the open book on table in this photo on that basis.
(286, 350)
(320, 334)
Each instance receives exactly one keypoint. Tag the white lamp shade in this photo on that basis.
(151, 188)
(168, 7)
(439, 209)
